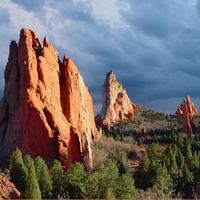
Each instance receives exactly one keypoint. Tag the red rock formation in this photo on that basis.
(143, 132)
(187, 110)
(46, 109)
(7, 189)
(116, 104)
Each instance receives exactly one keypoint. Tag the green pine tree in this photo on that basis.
(45, 183)
(188, 156)
(57, 176)
(125, 187)
(173, 167)
(9, 161)
(108, 194)
(32, 189)
(180, 159)
(74, 180)
(187, 175)
(107, 177)
(91, 186)
(18, 171)
(38, 163)
(162, 184)
(27, 161)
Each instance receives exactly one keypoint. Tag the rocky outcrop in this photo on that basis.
(187, 110)
(116, 105)
(46, 108)
(7, 189)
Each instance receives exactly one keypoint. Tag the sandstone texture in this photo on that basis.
(116, 105)
(187, 110)
(46, 108)
(7, 189)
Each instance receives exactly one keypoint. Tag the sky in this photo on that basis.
(152, 46)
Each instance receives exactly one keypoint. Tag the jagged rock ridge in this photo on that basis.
(187, 110)
(116, 104)
(46, 108)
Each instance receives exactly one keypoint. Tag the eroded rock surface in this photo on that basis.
(46, 108)
(187, 110)
(7, 189)
(116, 104)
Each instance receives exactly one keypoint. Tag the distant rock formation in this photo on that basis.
(143, 132)
(187, 110)
(116, 104)
(7, 189)
(46, 108)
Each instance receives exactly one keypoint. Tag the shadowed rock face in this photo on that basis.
(116, 104)
(187, 110)
(46, 108)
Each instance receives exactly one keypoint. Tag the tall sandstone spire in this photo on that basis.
(46, 108)
(116, 104)
(187, 110)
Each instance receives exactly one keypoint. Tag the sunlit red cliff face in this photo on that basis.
(116, 104)
(187, 110)
(46, 108)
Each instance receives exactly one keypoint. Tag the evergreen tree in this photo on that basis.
(187, 181)
(195, 166)
(180, 159)
(180, 141)
(162, 183)
(9, 161)
(155, 152)
(107, 177)
(57, 175)
(27, 161)
(38, 163)
(32, 189)
(144, 166)
(45, 183)
(152, 170)
(188, 156)
(91, 186)
(173, 168)
(142, 176)
(108, 194)
(187, 175)
(125, 187)
(74, 180)
(18, 171)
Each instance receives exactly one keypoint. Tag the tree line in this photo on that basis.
(35, 180)
(172, 172)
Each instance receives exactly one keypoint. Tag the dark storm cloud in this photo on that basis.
(152, 46)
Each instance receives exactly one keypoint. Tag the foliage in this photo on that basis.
(18, 171)
(74, 181)
(162, 184)
(45, 182)
(125, 187)
(32, 189)
(107, 178)
(57, 175)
